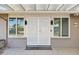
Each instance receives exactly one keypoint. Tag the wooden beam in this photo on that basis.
(22, 7)
(71, 7)
(41, 7)
(35, 7)
(3, 18)
(10, 7)
(59, 7)
(24, 12)
(48, 7)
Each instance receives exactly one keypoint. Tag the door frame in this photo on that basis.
(49, 32)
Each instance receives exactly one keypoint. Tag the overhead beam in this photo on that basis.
(71, 7)
(16, 7)
(35, 7)
(42, 7)
(59, 7)
(22, 7)
(10, 7)
(48, 7)
(29, 12)
(3, 18)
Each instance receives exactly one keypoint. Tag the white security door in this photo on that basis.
(44, 31)
(32, 31)
(38, 31)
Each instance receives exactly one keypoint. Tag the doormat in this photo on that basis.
(38, 48)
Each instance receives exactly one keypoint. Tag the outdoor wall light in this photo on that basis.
(51, 22)
(25, 22)
(76, 24)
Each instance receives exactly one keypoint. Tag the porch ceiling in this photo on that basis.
(39, 7)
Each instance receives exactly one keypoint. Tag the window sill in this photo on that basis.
(61, 37)
(17, 37)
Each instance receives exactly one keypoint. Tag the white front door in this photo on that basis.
(38, 31)
(44, 31)
(32, 31)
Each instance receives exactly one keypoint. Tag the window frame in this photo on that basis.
(16, 35)
(61, 28)
(9, 27)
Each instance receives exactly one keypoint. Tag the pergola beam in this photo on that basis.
(35, 7)
(28, 12)
(59, 7)
(71, 7)
(3, 18)
(10, 7)
(22, 7)
(48, 7)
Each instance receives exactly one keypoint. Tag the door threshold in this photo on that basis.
(38, 47)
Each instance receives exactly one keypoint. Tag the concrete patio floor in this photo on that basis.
(55, 51)
(20, 51)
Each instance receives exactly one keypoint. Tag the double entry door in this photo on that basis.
(38, 31)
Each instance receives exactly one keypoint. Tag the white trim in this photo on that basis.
(16, 26)
(53, 27)
(69, 26)
(60, 27)
(24, 26)
(38, 30)
(61, 37)
(30, 12)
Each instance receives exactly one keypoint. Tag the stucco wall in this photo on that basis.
(17, 42)
(73, 41)
(3, 26)
(2, 29)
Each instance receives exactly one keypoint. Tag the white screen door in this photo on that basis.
(38, 31)
(44, 31)
(32, 31)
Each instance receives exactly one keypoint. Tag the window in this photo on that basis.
(20, 26)
(61, 27)
(12, 26)
(65, 26)
(16, 26)
(56, 26)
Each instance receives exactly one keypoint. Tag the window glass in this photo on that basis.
(64, 26)
(20, 26)
(56, 26)
(12, 26)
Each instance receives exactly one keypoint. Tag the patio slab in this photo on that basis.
(20, 51)
(54, 51)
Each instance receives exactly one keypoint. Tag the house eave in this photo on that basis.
(28, 12)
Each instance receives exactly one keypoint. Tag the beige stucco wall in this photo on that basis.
(2, 29)
(73, 41)
(17, 42)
